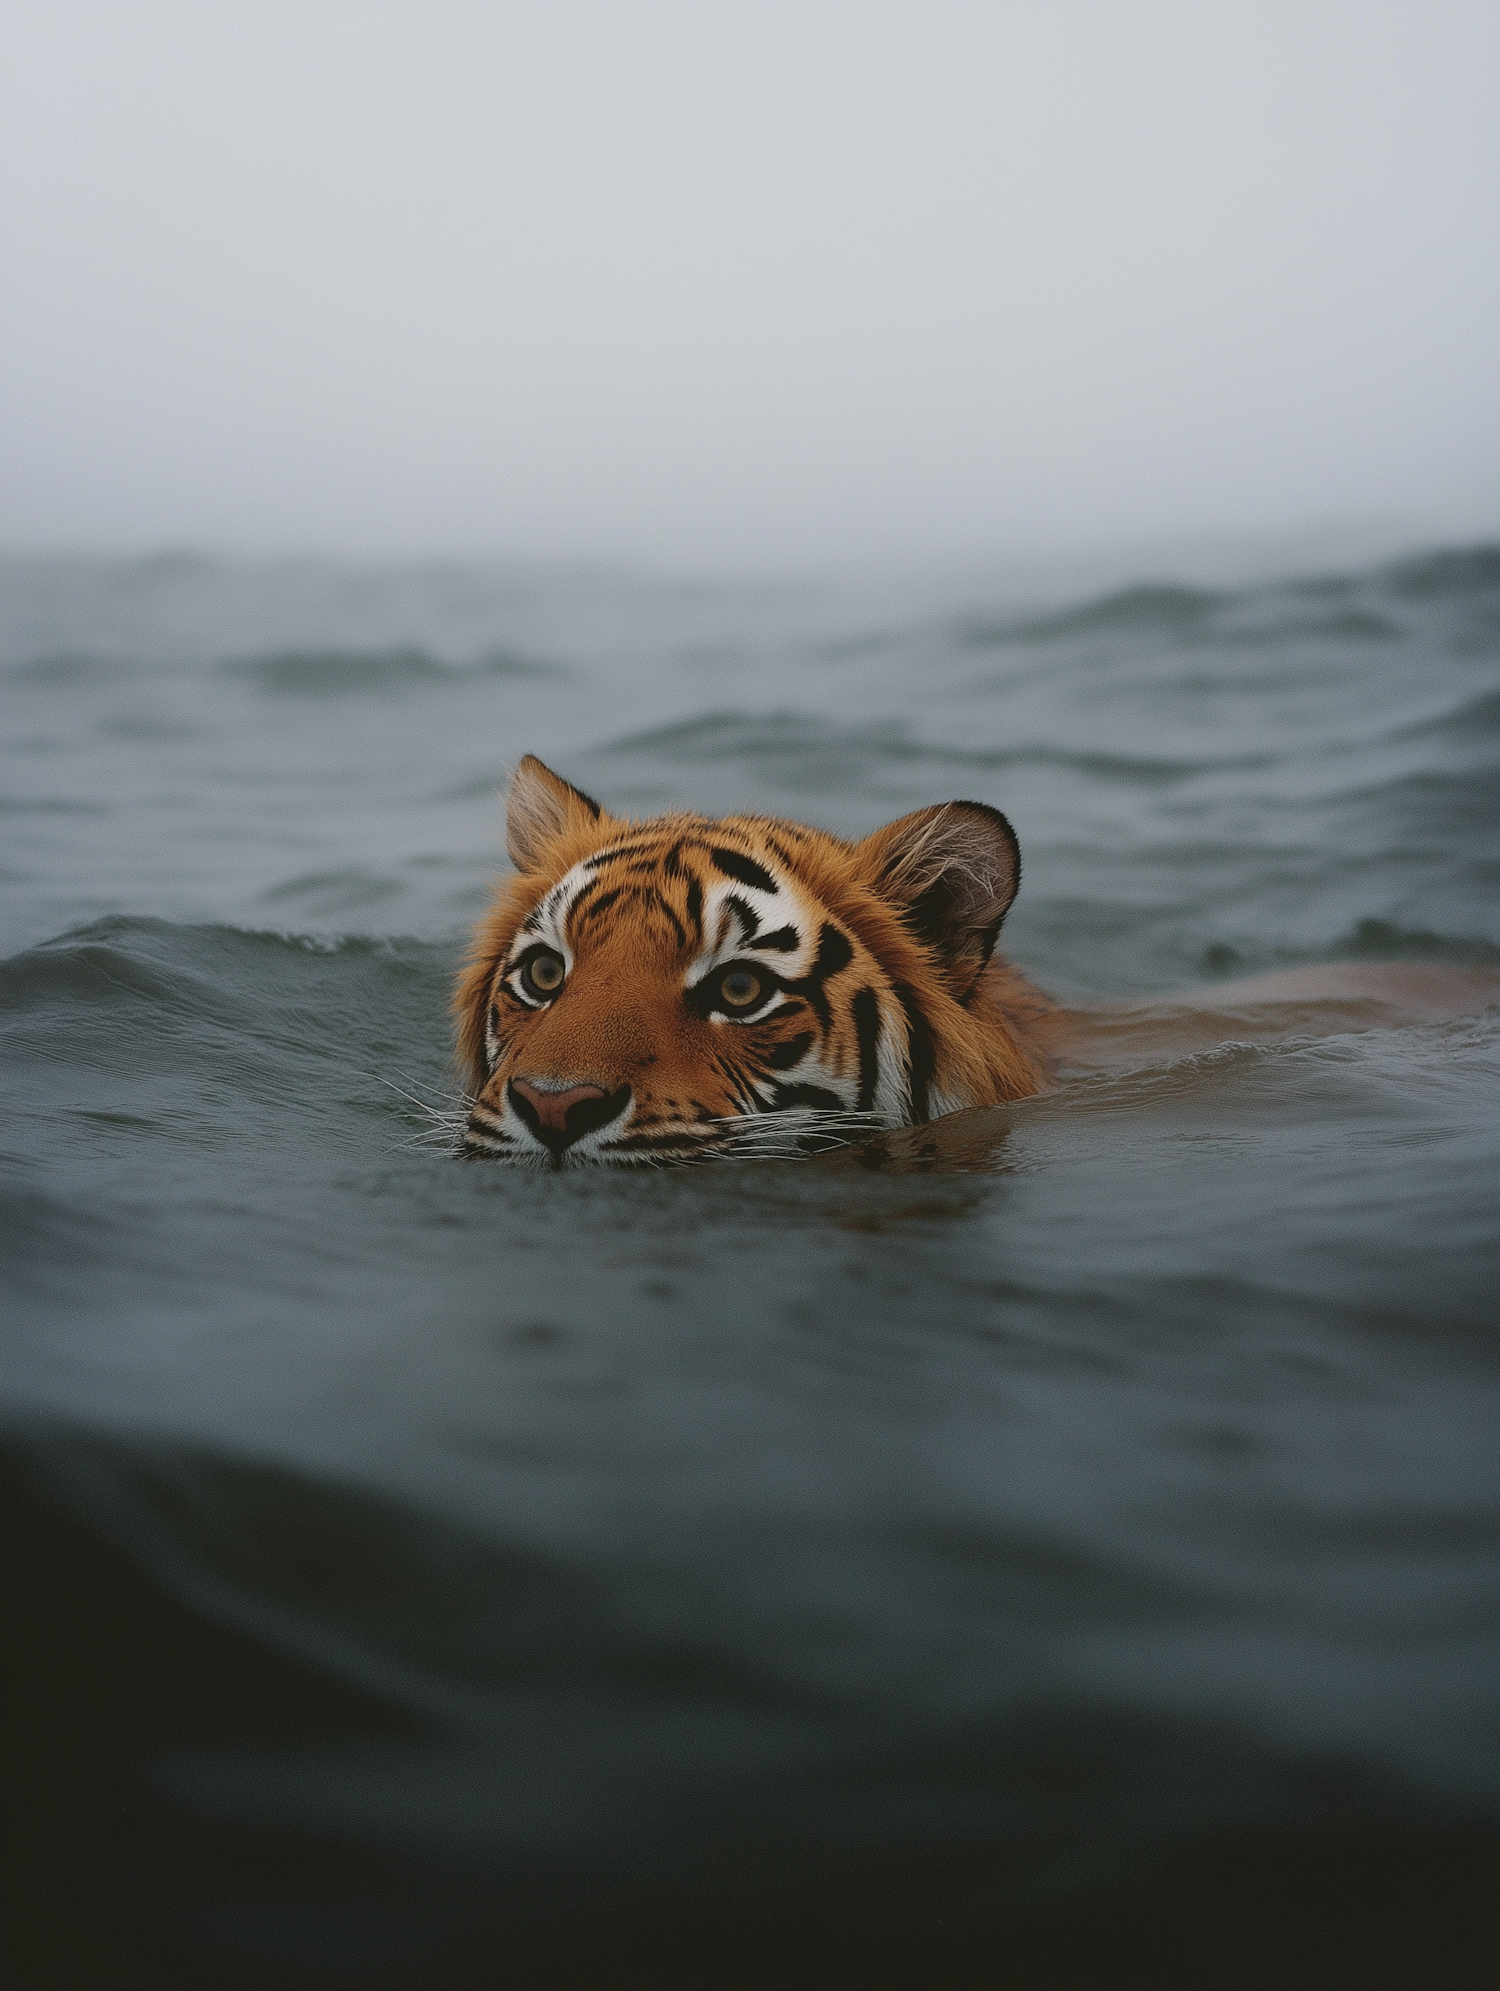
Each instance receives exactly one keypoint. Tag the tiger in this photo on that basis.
(689, 987)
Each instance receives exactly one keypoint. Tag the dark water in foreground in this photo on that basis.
(1079, 1563)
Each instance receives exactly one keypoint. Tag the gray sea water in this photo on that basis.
(1075, 1562)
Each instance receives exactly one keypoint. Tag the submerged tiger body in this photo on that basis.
(684, 987)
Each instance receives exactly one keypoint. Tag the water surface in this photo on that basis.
(1080, 1545)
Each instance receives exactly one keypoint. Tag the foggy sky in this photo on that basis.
(744, 283)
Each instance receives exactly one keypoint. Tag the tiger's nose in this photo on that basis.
(560, 1117)
(551, 1108)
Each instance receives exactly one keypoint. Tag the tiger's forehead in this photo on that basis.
(695, 889)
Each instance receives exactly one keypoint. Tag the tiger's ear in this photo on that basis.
(540, 808)
(952, 872)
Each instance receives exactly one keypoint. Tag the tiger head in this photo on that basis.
(687, 986)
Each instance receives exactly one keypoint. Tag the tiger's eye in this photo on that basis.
(740, 988)
(543, 974)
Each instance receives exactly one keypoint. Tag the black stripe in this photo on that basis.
(919, 1054)
(585, 893)
(656, 900)
(834, 953)
(785, 940)
(748, 922)
(738, 1081)
(592, 908)
(867, 1029)
(792, 1052)
(615, 851)
(695, 907)
(590, 896)
(745, 869)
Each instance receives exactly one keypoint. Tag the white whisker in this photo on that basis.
(451, 1116)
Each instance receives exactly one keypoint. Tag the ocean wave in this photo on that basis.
(43, 1231)
(69, 671)
(343, 673)
(1153, 609)
(809, 747)
(1190, 618)
(1455, 573)
(1353, 608)
(1371, 939)
(349, 890)
(1383, 940)
(50, 805)
(1478, 716)
(1348, 625)
(226, 1011)
(386, 1748)
(1456, 805)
